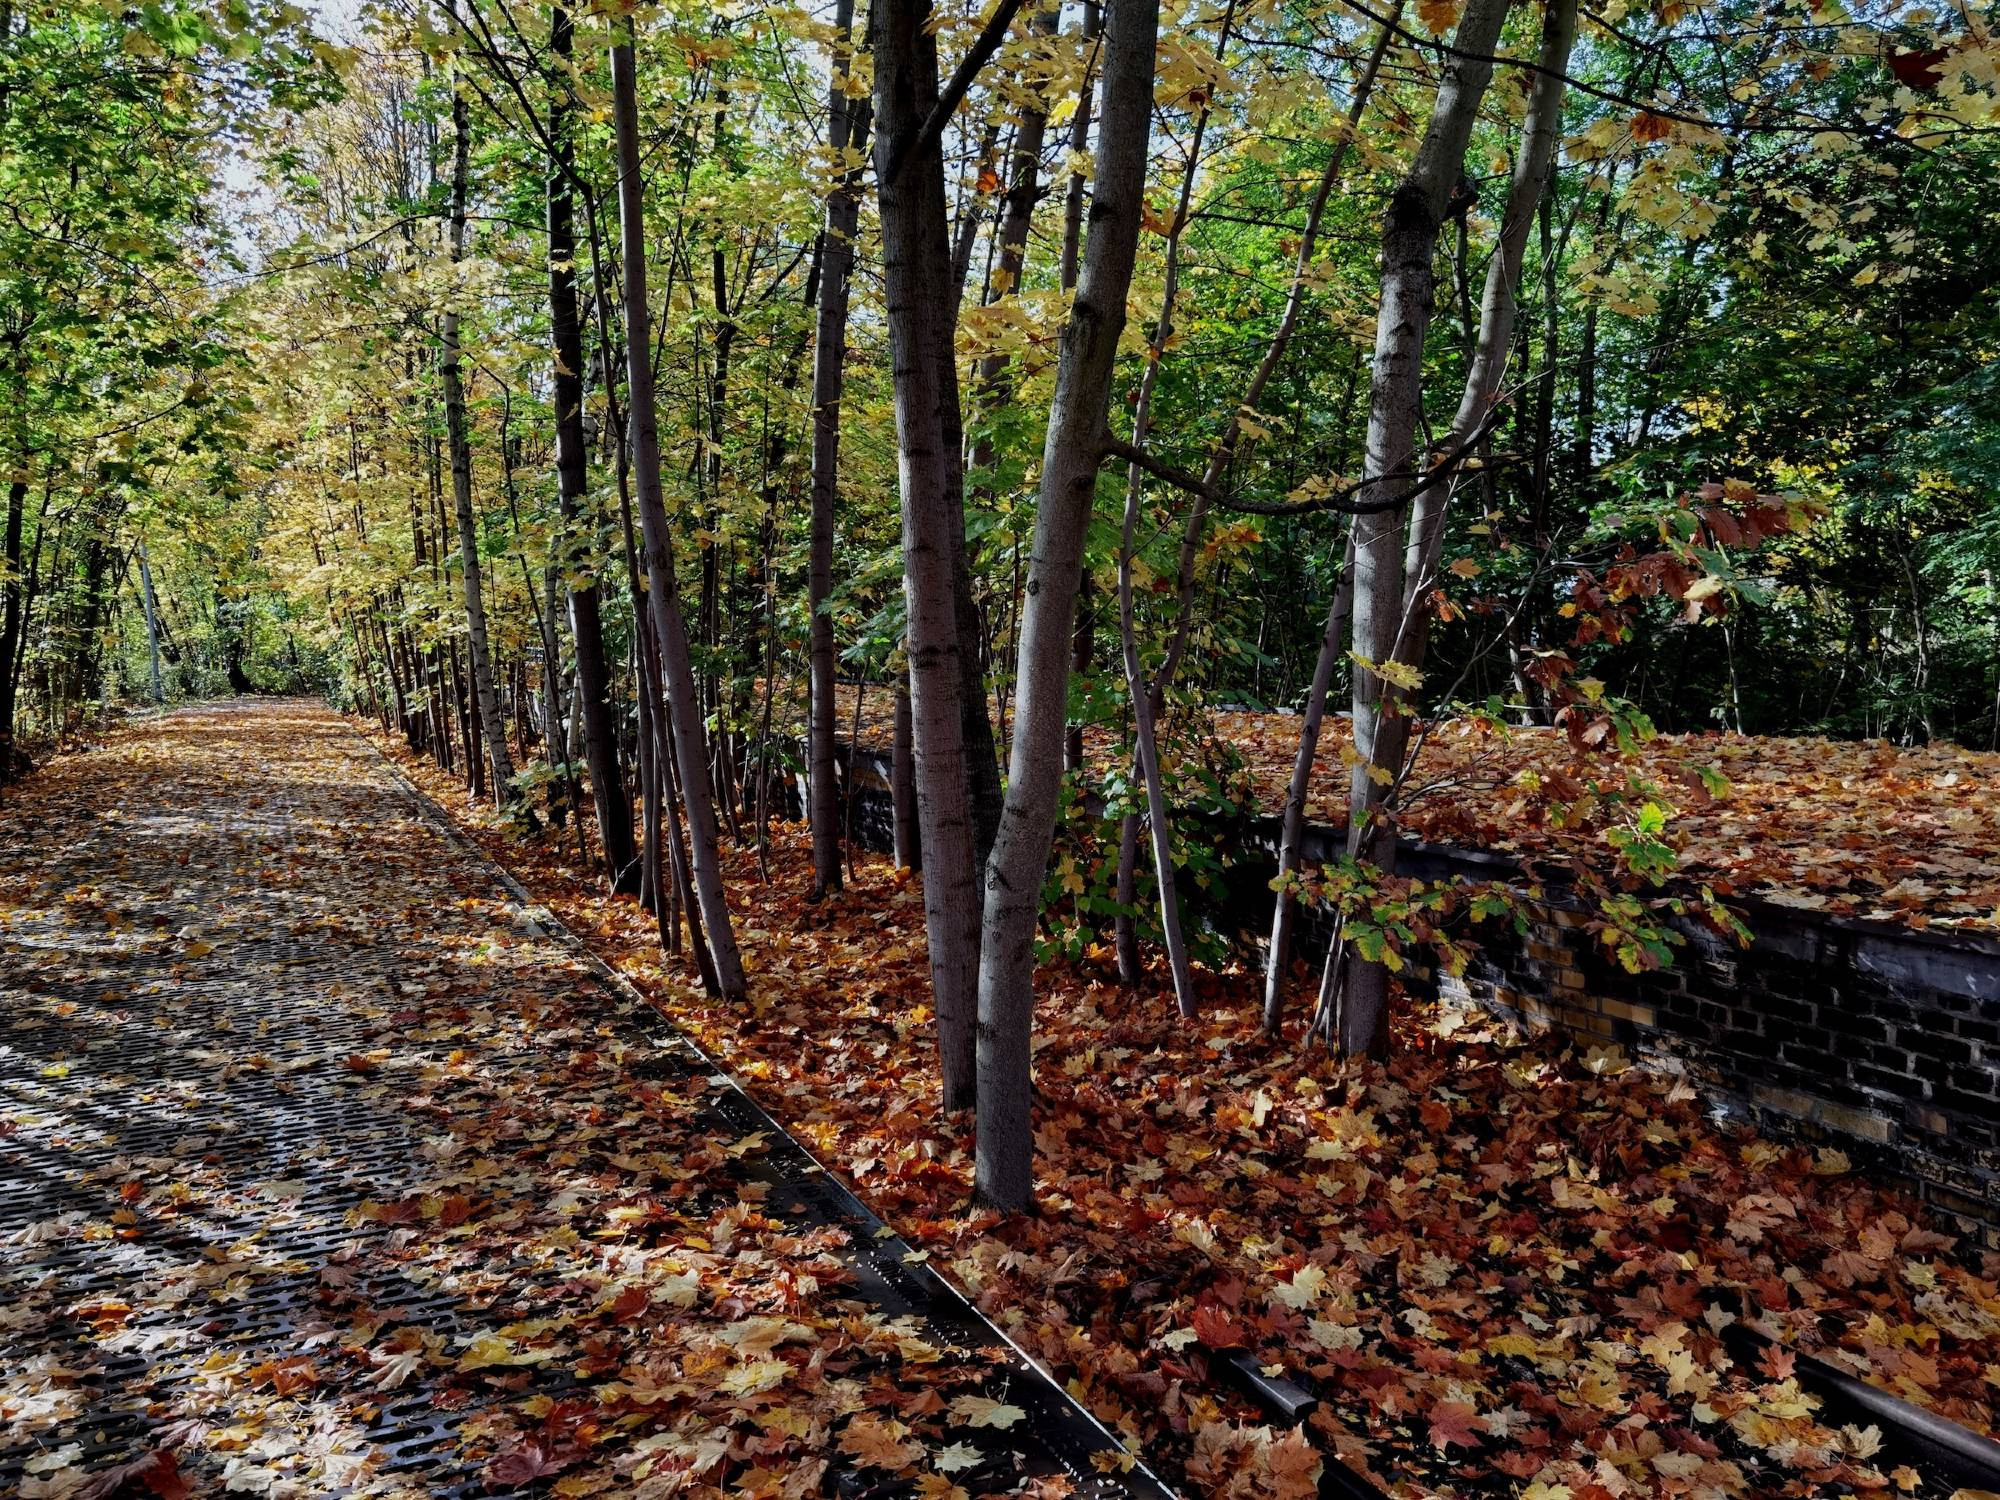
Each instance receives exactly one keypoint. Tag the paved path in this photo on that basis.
(325, 1170)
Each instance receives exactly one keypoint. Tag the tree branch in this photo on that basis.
(932, 130)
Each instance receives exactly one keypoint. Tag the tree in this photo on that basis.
(686, 736)
(1072, 454)
(846, 134)
(918, 289)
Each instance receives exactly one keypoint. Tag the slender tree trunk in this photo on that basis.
(477, 645)
(689, 741)
(593, 668)
(921, 312)
(847, 129)
(1541, 131)
(152, 608)
(1224, 451)
(1071, 456)
(1292, 827)
(903, 782)
(1083, 641)
(1409, 244)
(13, 617)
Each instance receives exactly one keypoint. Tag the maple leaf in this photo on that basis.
(1216, 1328)
(1291, 1466)
(524, 1463)
(397, 1368)
(982, 1411)
(956, 1456)
(156, 1473)
(879, 1444)
(1777, 1363)
(1438, 16)
(1304, 1289)
(758, 1336)
(1455, 1422)
(756, 1375)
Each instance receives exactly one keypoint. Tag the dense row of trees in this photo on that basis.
(576, 385)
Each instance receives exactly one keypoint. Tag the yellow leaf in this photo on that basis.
(983, 1411)
(1438, 16)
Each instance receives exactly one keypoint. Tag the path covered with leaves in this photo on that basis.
(324, 1170)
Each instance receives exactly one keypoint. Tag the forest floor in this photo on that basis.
(323, 1170)
(1865, 828)
(1505, 1266)
(307, 1137)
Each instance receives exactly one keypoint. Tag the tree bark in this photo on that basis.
(13, 622)
(1292, 827)
(1071, 456)
(1079, 137)
(593, 668)
(499, 762)
(1409, 243)
(903, 783)
(689, 742)
(1541, 132)
(847, 128)
(917, 279)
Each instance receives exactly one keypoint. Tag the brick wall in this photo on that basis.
(1873, 1037)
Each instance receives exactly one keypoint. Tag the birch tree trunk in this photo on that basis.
(499, 763)
(1541, 132)
(1409, 243)
(663, 603)
(847, 127)
(917, 281)
(1071, 455)
(593, 671)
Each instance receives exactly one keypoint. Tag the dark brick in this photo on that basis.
(1935, 1046)
(1977, 1078)
(1868, 1076)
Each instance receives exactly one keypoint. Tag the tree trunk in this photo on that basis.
(1071, 456)
(1409, 242)
(1292, 827)
(1083, 642)
(847, 128)
(903, 783)
(690, 744)
(13, 622)
(1540, 133)
(593, 668)
(152, 608)
(1079, 137)
(498, 761)
(921, 313)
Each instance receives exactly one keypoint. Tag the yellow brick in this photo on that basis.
(1638, 1015)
